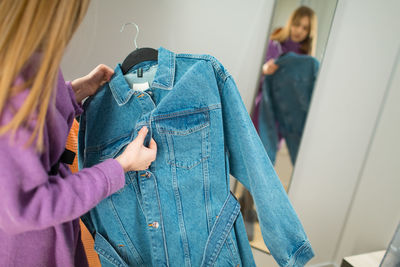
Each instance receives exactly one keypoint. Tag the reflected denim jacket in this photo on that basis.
(286, 97)
(180, 211)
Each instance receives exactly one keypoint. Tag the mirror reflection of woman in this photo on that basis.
(299, 35)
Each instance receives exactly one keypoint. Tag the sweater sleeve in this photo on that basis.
(77, 106)
(273, 50)
(33, 200)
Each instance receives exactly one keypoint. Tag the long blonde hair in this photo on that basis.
(26, 27)
(309, 44)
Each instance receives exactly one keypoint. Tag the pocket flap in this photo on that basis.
(183, 124)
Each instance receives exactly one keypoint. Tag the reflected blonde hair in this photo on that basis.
(28, 27)
(309, 44)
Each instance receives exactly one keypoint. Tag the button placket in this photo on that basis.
(146, 174)
(148, 185)
(152, 210)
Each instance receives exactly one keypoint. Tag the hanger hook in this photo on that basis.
(137, 31)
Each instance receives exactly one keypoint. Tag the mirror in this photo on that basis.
(294, 51)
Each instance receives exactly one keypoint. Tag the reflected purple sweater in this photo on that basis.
(39, 223)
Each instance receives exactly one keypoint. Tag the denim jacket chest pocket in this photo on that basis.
(186, 138)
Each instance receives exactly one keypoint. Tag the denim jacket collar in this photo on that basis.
(164, 77)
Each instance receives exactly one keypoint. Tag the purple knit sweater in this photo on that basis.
(39, 213)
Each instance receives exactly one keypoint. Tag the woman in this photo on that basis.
(299, 36)
(41, 200)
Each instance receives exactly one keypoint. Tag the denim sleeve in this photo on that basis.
(281, 229)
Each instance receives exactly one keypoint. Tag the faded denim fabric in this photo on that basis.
(286, 97)
(180, 211)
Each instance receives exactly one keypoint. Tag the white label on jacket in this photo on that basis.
(140, 86)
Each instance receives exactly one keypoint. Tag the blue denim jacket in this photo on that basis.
(180, 211)
(285, 101)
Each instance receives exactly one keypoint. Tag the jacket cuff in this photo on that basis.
(302, 255)
(114, 173)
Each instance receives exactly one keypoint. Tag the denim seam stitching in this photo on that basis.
(232, 217)
(146, 208)
(223, 86)
(222, 239)
(114, 151)
(137, 192)
(228, 247)
(162, 130)
(303, 248)
(132, 248)
(206, 179)
(178, 204)
(208, 58)
(205, 154)
(162, 223)
(181, 113)
(98, 148)
(109, 257)
(172, 163)
(118, 97)
(233, 249)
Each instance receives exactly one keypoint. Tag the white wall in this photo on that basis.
(233, 31)
(283, 9)
(374, 212)
(325, 10)
(345, 179)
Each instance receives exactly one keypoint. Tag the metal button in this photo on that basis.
(147, 175)
(154, 225)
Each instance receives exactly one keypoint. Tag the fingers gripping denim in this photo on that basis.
(180, 212)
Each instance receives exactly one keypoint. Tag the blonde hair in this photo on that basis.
(307, 45)
(28, 27)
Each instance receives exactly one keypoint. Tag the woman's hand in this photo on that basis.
(89, 84)
(269, 67)
(137, 157)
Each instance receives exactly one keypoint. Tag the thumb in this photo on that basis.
(142, 134)
(108, 72)
(153, 144)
